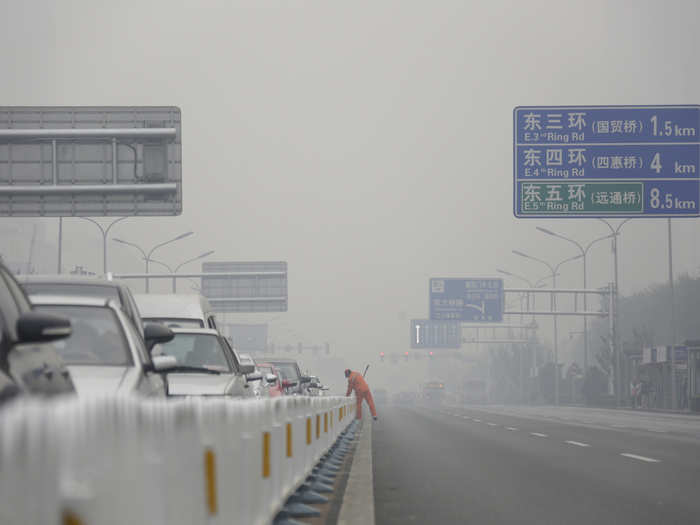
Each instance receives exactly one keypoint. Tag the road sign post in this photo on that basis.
(466, 300)
(606, 161)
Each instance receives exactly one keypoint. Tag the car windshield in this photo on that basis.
(171, 322)
(288, 371)
(197, 350)
(97, 338)
(74, 289)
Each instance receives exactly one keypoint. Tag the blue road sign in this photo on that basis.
(435, 334)
(606, 161)
(467, 300)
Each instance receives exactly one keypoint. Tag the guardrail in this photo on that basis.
(123, 460)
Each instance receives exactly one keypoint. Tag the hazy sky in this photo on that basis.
(368, 144)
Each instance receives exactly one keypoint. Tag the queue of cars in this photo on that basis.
(63, 334)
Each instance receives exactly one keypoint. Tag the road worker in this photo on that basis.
(357, 383)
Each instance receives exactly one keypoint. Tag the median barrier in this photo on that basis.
(124, 460)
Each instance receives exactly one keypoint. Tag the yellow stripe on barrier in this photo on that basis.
(308, 430)
(318, 426)
(325, 422)
(210, 481)
(266, 455)
(70, 518)
(289, 440)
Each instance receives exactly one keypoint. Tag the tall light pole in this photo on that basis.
(105, 233)
(147, 256)
(584, 253)
(200, 256)
(537, 284)
(174, 270)
(616, 332)
(553, 270)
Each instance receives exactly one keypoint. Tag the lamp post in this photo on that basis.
(174, 270)
(147, 256)
(553, 270)
(537, 284)
(105, 233)
(200, 256)
(584, 253)
(614, 232)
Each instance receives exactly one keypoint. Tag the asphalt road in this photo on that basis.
(495, 465)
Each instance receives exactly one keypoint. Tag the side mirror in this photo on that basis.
(38, 327)
(313, 385)
(289, 384)
(155, 334)
(247, 369)
(271, 378)
(304, 379)
(163, 363)
(255, 376)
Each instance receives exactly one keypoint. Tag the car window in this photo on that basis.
(212, 322)
(16, 291)
(8, 309)
(133, 309)
(97, 338)
(288, 371)
(77, 289)
(138, 340)
(171, 322)
(201, 350)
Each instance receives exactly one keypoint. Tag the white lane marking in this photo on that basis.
(577, 443)
(640, 458)
(538, 434)
(512, 429)
(491, 424)
(477, 420)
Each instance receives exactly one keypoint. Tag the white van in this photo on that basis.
(176, 310)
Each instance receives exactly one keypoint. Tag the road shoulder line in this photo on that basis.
(358, 500)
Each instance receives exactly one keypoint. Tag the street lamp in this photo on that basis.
(553, 302)
(200, 256)
(538, 284)
(147, 256)
(105, 233)
(584, 253)
(614, 232)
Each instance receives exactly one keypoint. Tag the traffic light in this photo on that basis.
(405, 356)
(430, 354)
(381, 356)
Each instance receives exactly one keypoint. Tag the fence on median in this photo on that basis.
(123, 460)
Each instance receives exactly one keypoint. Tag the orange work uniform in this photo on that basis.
(357, 383)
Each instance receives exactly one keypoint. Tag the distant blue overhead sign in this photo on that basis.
(435, 334)
(469, 300)
(606, 161)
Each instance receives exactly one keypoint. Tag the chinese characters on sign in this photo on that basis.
(470, 300)
(607, 161)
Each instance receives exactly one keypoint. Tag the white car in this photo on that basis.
(205, 365)
(105, 353)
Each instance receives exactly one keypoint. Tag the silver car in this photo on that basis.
(205, 365)
(105, 353)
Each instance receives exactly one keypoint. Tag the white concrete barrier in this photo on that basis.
(122, 460)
